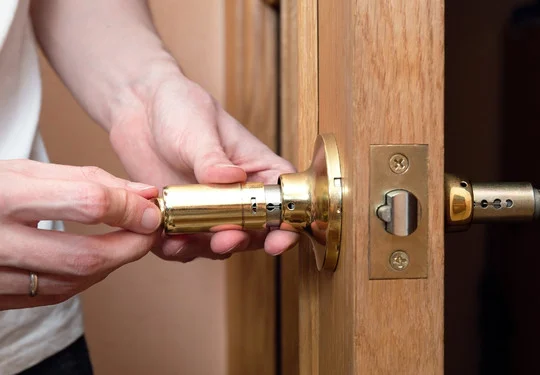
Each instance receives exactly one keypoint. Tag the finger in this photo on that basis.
(22, 302)
(196, 244)
(83, 202)
(239, 142)
(212, 166)
(222, 243)
(279, 241)
(61, 253)
(229, 241)
(237, 241)
(207, 158)
(41, 170)
(185, 248)
(189, 254)
(17, 282)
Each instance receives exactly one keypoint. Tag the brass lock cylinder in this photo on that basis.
(214, 208)
(505, 202)
(468, 203)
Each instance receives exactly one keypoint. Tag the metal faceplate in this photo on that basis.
(398, 171)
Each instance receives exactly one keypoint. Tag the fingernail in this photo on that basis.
(234, 248)
(139, 186)
(151, 218)
(179, 251)
(228, 166)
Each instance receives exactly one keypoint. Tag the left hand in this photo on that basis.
(176, 133)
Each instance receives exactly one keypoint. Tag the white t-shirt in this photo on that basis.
(27, 336)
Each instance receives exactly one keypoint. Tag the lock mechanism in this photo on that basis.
(469, 203)
(399, 207)
(309, 203)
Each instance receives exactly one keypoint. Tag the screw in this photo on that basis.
(399, 163)
(399, 260)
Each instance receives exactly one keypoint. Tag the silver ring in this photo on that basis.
(34, 282)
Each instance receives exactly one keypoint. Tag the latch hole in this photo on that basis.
(291, 206)
(464, 184)
(497, 204)
(509, 203)
(484, 204)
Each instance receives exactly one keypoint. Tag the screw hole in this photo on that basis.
(509, 203)
(497, 204)
(291, 206)
(464, 184)
(484, 204)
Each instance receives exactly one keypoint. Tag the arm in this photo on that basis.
(107, 52)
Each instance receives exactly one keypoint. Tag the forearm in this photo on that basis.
(106, 51)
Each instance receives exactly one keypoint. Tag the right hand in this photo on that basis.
(65, 263)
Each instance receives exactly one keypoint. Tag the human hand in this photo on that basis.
(65, 263)
(174, 132)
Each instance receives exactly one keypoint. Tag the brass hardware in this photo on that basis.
(399, 260)
(399, 163)
(458, 203)
(398, 212)
(308, 202)
(213, 208)
(503, 202)
(468, 203)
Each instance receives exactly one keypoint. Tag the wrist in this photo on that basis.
(132, 89)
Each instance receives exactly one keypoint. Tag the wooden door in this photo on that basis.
(371, 72)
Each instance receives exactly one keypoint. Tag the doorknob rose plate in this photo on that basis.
(308, 202)
(312, 202)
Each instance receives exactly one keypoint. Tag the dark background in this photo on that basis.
(492, 134)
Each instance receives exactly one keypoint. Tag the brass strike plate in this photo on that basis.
(394, 167)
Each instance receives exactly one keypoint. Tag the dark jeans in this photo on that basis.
(73, 360)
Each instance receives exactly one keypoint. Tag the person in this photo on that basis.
(164, 128)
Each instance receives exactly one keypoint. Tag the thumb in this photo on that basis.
(214, 167)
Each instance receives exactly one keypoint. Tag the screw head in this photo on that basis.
(399, 260)
(399, 163)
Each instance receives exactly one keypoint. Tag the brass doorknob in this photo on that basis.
(308, 202)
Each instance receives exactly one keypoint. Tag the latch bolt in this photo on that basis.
(400, 212)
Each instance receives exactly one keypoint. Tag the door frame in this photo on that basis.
(251, 51)
(388, 88)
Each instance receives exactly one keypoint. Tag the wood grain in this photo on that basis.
(380, 82)
(289, 342)
(252, 98)
(307, 107)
